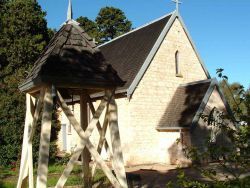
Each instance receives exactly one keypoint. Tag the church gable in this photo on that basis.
(132, 53)
(161, 74)
(180, 55)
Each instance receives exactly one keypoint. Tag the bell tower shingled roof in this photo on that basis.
(71, 60)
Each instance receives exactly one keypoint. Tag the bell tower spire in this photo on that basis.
(70, 19)
(70, 12)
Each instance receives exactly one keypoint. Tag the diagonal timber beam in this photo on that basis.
(36, 115)
(102, 139)
(32, 114)
(100, 129)
(31, 135)
(75, 123)
(85, 142)
(79, 130)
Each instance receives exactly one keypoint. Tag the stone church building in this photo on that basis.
(167, 88)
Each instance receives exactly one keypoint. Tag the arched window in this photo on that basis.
(177, 64)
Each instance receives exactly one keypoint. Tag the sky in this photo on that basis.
(220, 29)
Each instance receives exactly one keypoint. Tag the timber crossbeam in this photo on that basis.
(85, 147)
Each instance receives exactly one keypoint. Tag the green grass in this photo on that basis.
(8, 177)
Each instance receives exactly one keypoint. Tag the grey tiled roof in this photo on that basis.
(72, 60)
(128, 53)
(184, 105)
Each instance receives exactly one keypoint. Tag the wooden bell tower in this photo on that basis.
(71, 63)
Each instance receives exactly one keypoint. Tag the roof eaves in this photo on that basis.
(196, 82)
(29, 84)
(101, 94)
(194, 46)
(134, 30)
(150, 56)
(176, 128)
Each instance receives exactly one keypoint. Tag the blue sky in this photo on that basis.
(219, 28)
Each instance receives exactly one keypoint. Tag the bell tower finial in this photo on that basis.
(70, 13)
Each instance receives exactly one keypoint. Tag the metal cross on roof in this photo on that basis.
(177, 2)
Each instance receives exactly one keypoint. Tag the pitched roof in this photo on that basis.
(184, 105)
(128, 52)
(132, 53)
(72, 60)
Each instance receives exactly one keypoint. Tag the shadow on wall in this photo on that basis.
(183, 106)
(176, 155)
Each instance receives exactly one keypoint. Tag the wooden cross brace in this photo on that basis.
(108, 100)
(26, 167)
(32, 115)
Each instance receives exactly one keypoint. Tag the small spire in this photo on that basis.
(70, 16)
(69, 13)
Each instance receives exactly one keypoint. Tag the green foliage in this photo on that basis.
(112, 22)
(62, 160)
(51, 33)
(23, 36)
(185, 182)
(90, 27)
(237, 97)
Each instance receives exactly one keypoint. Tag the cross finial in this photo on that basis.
(177, 2)
(70, 13)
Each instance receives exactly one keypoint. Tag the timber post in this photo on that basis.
(86, 157)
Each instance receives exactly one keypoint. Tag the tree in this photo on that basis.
(51, 33)
(234, 93)
(89, 27)
(23, 36)
(112, 22)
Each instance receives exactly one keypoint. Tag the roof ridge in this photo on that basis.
(138, 28)
(85, 36)
(63, 44)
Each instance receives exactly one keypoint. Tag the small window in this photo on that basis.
(177, 64)
(64, 137)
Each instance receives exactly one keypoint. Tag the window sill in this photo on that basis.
(179, 75)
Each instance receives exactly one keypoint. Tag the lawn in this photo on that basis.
(8, 177)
